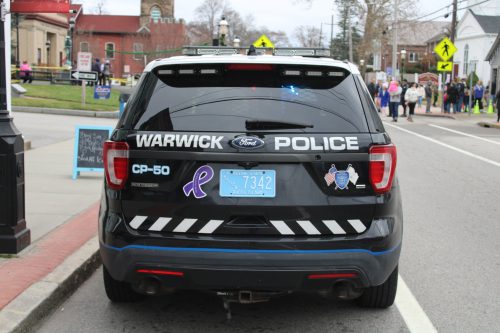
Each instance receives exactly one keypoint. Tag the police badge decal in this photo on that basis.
(341, 178)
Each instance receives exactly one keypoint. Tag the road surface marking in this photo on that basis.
(462, 133)
(448, 146)
(415, 318)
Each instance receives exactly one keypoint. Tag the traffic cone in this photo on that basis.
(490, 108)
(476, 108)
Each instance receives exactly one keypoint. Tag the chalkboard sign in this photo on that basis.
(89, 142)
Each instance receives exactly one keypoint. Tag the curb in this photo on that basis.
(435, 115)
(26, 311)
(66, 112)
(486, 124)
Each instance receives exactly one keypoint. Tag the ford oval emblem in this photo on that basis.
(247, 142)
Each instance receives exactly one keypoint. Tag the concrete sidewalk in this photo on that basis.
(62, 215)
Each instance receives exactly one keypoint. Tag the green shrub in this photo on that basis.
(413, 70)
(474, 79)
(419, 66)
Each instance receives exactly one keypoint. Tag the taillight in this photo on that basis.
(115, 156)
(382, 166)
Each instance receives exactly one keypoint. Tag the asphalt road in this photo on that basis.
(450, 259)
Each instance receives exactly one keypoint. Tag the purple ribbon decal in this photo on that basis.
(198, 180)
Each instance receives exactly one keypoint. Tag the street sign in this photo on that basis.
(84, 61)
(81, 75)
(445, 49)
(263, 41)
(444, 66)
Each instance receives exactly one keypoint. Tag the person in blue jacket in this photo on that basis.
(478, 93)
(384, 99)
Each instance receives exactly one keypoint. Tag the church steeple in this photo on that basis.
(156, 10)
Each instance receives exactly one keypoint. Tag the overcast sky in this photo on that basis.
(275, 14)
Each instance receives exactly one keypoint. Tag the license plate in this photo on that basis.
(247, 183)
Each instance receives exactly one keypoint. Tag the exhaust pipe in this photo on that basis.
(342, 290)
(152, 287)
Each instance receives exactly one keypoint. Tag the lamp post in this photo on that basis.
(47, 44)
(403, 56)
(236, 41)
(72, 22)
(361, 64)
(17, 41)
(223, 28)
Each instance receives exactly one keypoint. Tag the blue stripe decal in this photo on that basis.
(246, 251)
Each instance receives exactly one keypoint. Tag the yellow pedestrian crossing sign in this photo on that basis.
(444, 66)
(445, 49)
(263, 41)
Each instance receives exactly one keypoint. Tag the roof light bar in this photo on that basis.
(302, 51)
(186, 51)
(208, 71)
(289, 72)
(186, 71)
(277, 51)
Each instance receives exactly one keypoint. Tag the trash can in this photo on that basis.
(123, 99)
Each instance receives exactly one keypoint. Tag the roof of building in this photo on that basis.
(419, 32)
(438, 37)
(108, 23)
(490, 24)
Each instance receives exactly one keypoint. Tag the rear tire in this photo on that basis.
(382, 296)
(119, 291)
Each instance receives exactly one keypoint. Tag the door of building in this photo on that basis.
(455, 71)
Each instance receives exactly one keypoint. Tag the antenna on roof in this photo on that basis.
(251, 50)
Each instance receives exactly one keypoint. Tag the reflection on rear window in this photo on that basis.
(222, 102)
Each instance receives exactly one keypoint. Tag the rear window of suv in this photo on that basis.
(221, 98)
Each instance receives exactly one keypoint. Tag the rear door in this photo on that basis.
(236, 149)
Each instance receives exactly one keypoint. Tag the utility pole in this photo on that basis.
(320, 34)
(350, 33)
(453, 24)
(395, 40)
(331, 38)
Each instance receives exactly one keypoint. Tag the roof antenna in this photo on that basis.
(251, 50)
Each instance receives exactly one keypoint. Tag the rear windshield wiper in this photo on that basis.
(266, 124)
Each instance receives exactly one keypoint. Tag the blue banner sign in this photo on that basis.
(102, 92)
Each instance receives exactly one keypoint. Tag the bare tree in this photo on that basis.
(99, 7)
(308, 36)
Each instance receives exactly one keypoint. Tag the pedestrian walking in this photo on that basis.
(404, 88)
(384, 99)
(461, 94)
(372, 89)
(478, 94)
(412, 97)
(486, 97)
(428, 96)
(451, 97)
(497, 105)
(96, 67)
(107, 72)
(26, 72)
(435, 94)
(395, 93)
(421, 93)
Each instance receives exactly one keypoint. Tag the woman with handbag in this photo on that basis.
(411, 97)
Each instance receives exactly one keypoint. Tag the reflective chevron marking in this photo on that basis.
(210, 226)
(358, 225)
(137, 221)
(334, 227)
(160, 224)
(309, 228)
(185, 225)
(282, 228)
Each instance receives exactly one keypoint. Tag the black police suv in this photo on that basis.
(250, 177)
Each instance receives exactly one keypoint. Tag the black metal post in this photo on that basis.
(72, 42)
(14, 236)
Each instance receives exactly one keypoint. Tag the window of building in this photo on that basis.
(39, 56)
(413, 57)
(110, 50)
(466, 59)
(84, 47)
(156, 14)
(410, 57)
(138, 49)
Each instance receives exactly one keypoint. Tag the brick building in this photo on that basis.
(155, 30)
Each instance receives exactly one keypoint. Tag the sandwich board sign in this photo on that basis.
(89, 144)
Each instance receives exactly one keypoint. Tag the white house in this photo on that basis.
(475, 36)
